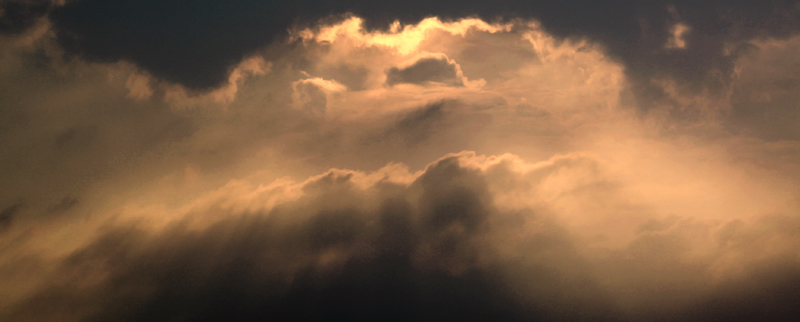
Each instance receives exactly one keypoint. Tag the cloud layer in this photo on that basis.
(469, 237)
(197, 45)
(521, 169)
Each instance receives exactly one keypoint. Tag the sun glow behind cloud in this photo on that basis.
(406, 40)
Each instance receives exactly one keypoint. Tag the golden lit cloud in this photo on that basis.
(406, 40)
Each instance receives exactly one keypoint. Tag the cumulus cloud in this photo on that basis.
(319, 176)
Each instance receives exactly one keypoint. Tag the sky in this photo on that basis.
(410, 160)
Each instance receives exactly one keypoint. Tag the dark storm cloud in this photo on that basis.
(424, 71)
(196, 43)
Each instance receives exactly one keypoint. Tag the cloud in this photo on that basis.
(763, 99)
(437, 243)
(427, 70)
(304, 182)
(419, 125)
(678, 32)
(311, 95)
(359, 260)
(16, 16)
(174, 43)
(363, 246)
